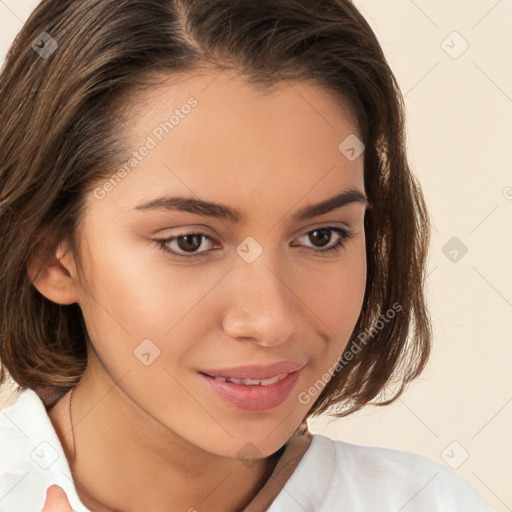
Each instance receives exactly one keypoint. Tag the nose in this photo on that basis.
(262, 305)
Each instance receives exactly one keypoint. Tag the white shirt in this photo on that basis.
(332, 475)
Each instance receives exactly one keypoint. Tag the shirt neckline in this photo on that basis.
(300, 454)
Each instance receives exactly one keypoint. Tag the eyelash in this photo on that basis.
(344, 235)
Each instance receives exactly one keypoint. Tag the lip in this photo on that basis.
(256, 398)
(256, 371)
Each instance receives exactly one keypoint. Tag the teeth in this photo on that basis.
(252, 382)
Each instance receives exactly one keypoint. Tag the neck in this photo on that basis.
(114, 461)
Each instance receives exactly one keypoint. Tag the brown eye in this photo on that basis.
(320, 237)
(186, 245)
(189, 242)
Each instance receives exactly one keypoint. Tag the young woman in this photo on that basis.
(210, 233)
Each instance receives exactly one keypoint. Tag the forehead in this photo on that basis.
(241, 102)
(216, 136)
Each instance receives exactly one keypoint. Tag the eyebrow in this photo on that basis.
(222, 211)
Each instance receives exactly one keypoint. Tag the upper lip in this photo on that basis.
(256, 371)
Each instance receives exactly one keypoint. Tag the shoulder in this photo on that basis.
(31, 457)
(13, 420)
(403, 479)
(28, 453)
(23, 426)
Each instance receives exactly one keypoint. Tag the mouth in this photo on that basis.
(250, 382)
(256, 372)
(249, 394)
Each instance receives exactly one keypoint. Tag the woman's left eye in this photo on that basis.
(322, 235)
(190, 243)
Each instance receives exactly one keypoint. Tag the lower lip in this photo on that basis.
(254, 398)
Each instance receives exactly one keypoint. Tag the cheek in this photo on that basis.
(148, 298)
(135, 285)
(336, 292)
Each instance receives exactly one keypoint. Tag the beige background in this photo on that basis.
(459, 137)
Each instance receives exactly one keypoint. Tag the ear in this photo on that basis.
(55, 276)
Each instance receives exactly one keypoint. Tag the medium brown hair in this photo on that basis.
(59, 135)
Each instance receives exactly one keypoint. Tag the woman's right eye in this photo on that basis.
(189, 243)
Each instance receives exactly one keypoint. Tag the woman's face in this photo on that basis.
(262, 289)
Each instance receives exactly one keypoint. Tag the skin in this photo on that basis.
(149, 436)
